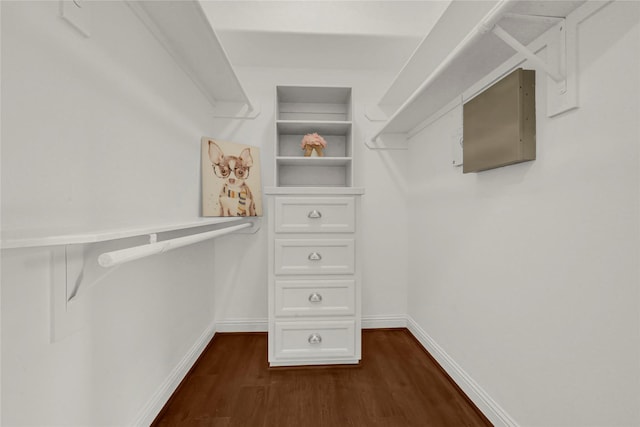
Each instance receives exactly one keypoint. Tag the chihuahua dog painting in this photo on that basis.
(230, 179)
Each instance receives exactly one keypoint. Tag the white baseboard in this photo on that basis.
(261, 325)
(242, 325)
(478, 396)
(384, 321)
(171, 383)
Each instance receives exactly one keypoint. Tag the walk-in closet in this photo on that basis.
(320, 213)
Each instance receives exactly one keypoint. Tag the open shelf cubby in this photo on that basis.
(324, 110)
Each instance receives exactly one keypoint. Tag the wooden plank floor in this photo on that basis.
(397, 384)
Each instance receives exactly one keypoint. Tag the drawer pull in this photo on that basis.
(314, 214)
(315, 297)
(314, 256)
(314, 339)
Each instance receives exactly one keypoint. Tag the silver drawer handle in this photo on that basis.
(314, 256)
(315, 297)
(314, 339)
(314, 214)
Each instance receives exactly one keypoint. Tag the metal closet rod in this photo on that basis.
(113, 258)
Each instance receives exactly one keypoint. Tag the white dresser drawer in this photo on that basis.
(315, 340)
(314, 298)
(314, 256)
(314, 215)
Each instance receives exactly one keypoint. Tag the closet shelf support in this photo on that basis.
(558, 77)
(388, 142)
(78, 262)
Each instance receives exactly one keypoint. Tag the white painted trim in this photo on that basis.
(489, 407)
(153, 407)
(384, 321)
(242, 325)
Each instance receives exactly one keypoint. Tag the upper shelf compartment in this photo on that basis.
(317, 104)
(470, 40)
(183, 29)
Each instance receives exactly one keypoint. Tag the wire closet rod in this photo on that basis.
(110, 259)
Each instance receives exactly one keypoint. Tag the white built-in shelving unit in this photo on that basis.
(314, 272)
(470, 41)
(301, 110)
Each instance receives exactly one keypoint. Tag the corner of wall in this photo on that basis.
(485, 403)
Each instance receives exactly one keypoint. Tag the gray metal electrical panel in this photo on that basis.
(499, 125)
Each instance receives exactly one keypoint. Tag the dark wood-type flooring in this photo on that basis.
(397, 384)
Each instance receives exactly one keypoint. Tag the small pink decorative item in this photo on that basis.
(311, 142)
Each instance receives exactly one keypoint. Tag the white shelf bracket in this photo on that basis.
(552, 71)
(67, 317)
(388, 142)
(561, 65)
(375, 114)
(82, 270)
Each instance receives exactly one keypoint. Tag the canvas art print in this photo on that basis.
(231, 183)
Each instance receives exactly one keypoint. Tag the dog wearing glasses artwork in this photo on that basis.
(231, 179)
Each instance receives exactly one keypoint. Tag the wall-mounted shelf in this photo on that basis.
(184, 30)
(13, 239)
(471, 40)
(81, 259)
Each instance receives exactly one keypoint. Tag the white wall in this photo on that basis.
(527, 276)
(105, 131)
(97, 132)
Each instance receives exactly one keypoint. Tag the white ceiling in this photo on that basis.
(322, 34)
